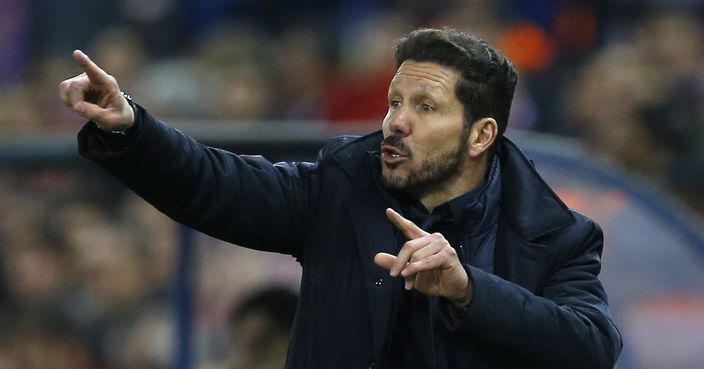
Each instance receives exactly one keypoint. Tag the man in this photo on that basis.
(431, 244)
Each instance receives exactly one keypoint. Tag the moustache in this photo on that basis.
(396, 141)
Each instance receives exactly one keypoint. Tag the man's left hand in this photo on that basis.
(427, 262)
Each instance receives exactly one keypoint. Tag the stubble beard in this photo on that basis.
(433, 171)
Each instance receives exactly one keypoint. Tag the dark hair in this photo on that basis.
(487, 78)
(277, 303)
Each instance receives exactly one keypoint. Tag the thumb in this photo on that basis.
(384, 260)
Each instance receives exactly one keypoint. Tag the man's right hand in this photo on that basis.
(96, 96)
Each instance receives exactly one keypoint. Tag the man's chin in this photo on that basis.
(393, 181)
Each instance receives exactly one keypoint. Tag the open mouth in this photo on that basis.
(392, 154)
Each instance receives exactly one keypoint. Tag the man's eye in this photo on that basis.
(427, 108)
(394, 104)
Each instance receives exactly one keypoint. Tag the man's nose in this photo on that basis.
(400, 122)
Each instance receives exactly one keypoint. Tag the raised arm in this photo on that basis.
(240, 199)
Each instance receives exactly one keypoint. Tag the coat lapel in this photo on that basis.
(518, 260)
(530, 210)
(375, 234)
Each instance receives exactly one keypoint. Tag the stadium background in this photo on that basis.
(610, 104)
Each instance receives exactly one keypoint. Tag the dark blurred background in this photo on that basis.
(87, 270)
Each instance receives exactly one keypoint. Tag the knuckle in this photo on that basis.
(451, 251)
(74, 85)
(415, 258)
(411, 246)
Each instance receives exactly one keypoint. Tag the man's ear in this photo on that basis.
(482, 135)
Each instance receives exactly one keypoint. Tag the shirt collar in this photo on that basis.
(459, 204)
(453, 209)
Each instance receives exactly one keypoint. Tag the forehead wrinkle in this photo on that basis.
(434, 76)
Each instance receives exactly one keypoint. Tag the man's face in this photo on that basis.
(425, 138)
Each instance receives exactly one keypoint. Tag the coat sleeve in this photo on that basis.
(241, 199)
(569, 325)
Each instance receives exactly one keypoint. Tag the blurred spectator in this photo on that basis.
(36, 272)
(17, 115)
(357, 90)
(176, 87)
(156, 245)
(38, 342)
(144, 342)
(122, 51)
(261, 328)
(236, 62)
(673, 42)
(605, 104)
(300, 60)
(52, 116)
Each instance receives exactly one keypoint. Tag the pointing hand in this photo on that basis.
(427, 262)
(96, 96)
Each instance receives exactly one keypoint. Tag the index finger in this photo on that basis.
(410, 229)
(93, 71)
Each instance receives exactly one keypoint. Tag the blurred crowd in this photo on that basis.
(87, 276)
(86, 269)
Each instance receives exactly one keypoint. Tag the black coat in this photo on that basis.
(544, 308)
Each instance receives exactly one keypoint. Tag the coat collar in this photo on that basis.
(530, 207)
(524, 192)
(353, 157)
